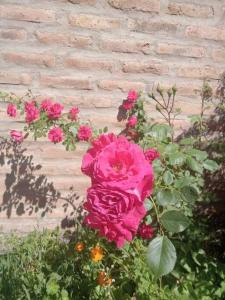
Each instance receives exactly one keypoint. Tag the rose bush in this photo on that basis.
(144, 185)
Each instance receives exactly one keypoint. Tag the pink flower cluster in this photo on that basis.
(121, 180)
(151, 154)
(146, 231)
(130, 101)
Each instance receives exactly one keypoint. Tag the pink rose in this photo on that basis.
(54, 111)
(46, 104)
(146, 231)
(84, 133)
(55, 135)
(11, 110)
(16, 135)
(151, 154)
(130, 101)
(74, 111)
(115, 213)
(132, 121)
(127, 105)
(32, 113)
(132, 96)
(114, 162)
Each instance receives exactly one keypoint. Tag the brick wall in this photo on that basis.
(90, 53)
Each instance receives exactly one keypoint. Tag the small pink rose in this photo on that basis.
(54, 111)
(74, 111)
(32, 113)
(132, 96)
(84, 133)
(132, 121)
(146, 231)
(11, 110)
(127, 105)
(46, 104)
(16, 135)
(151, 154)
(55, 135)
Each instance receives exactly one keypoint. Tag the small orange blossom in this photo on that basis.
(79, 247)
(103, 280)
(96, 253)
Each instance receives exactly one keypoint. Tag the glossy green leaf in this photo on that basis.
(210, 165)
(168, 178)
(165, 197)
(176, 159)
(189, 193)
(174, 221)
(161, 256)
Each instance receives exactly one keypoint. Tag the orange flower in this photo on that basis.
(79, 247)
(103, 280)
(96, 253)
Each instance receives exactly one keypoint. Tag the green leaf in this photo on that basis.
(161, 256)
(148, 220)
(190, 193)
(210, 165)
(148, 204)
(174, 221)
(168, 178)
(52, 287)
(194, 165)
(64, 295)
(198, 154)
(160, 131)
(187, 141)
(176, 159)
(166, 197)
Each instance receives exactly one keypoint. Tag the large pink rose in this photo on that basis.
(115, 213)
(114, 162)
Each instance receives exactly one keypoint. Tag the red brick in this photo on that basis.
(152, 26)
(142, 5)
(88, 2)
(10, 77)
(180, 50)
(66, 82)
(63, 39)
(190, 10)
(89, 63)
(94, 22)
(206, 32)
(125, 46)
(42, 59)
(151, 66)
(13, 34)
(218, 55)
(121, 84)
(201, 72)
(24, 13)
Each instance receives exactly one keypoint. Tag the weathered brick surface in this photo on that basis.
(41, 59)
(142, 5)
(89, 53)
(191, 10)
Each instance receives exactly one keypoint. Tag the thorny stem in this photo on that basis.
(157, 216)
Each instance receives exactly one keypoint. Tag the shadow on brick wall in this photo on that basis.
(29, 193)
